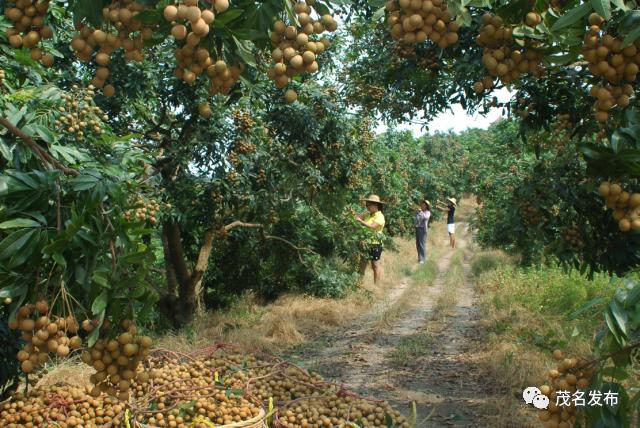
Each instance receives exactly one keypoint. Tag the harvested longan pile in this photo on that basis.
(297, 47)
(625, 205)
(80, 117)
(29, 29)
(43, 336)
(285, 384)
(567, 376)
(121, 30)
(502, 57)
(117, 362)
(415, 21)
(335, 410)
(62, 406)
(190, 411)
(610, 61)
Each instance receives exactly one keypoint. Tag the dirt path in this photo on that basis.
(427, 355)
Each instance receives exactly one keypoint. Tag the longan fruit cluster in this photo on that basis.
(573, 237)
(609, 60)
(191, 25)
(625, 205)
(2, 75)
(61, 406)
(336, 410)
(204, 110)
(79, 117)
(501, 57)
(608, 97)
(567, 376)
(117, 362)
(244, 147)
(242, 121)
(29, 28)
(415, 21)
(43, 336)
(146, 210)
(295, 49)
(530, 214)
(121, 30)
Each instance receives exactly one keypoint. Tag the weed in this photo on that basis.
(410, 348)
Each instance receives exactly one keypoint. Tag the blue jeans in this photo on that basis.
(421, 237)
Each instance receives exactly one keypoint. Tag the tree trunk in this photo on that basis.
(185, 285)
(179, 303)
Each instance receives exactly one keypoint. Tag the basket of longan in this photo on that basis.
(337, 409)
(187, 393)
(218, 410)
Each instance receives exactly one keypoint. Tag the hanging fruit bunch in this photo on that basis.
(415, 21)
(146, 210)
(570, 375)
(121, 30)
(615, 65)
(29, 29)
(573, 237)
(242, 121)
(118, 362)
(191, 25)
(296, 47)
(80, 117)
(44, 335)
(502, 57)
(530, 214)
(625, 205)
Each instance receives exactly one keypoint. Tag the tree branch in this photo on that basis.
(238, 223)
(45, 157)
(277, 238)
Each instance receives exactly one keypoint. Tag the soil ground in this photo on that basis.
(427, 355)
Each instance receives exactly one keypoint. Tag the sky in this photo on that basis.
(456, 120)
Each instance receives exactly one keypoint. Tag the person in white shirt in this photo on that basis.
(421, 223)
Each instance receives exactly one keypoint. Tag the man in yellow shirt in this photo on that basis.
(373, 219)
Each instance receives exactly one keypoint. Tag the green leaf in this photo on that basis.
(603, 7)
(620, 4)
(571, 17)
(620, 316)
(59, 259)
(612, 326)
(584, 308)
(15, 242)
(631, 37)
(99, 303)
(84, 182)
(19, 223)
(245, 51)
(378, 14)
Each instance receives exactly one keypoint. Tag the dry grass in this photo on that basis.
(69, 372)
(291, 319)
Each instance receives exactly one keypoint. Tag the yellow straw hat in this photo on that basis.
(453, 201)
(373, 198)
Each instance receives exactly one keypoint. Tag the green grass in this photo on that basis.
(543, 306)
(409, 348)
(488, 261)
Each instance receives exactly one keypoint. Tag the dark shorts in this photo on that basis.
(375, 252)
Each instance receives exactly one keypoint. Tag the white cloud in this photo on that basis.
(456, 120)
